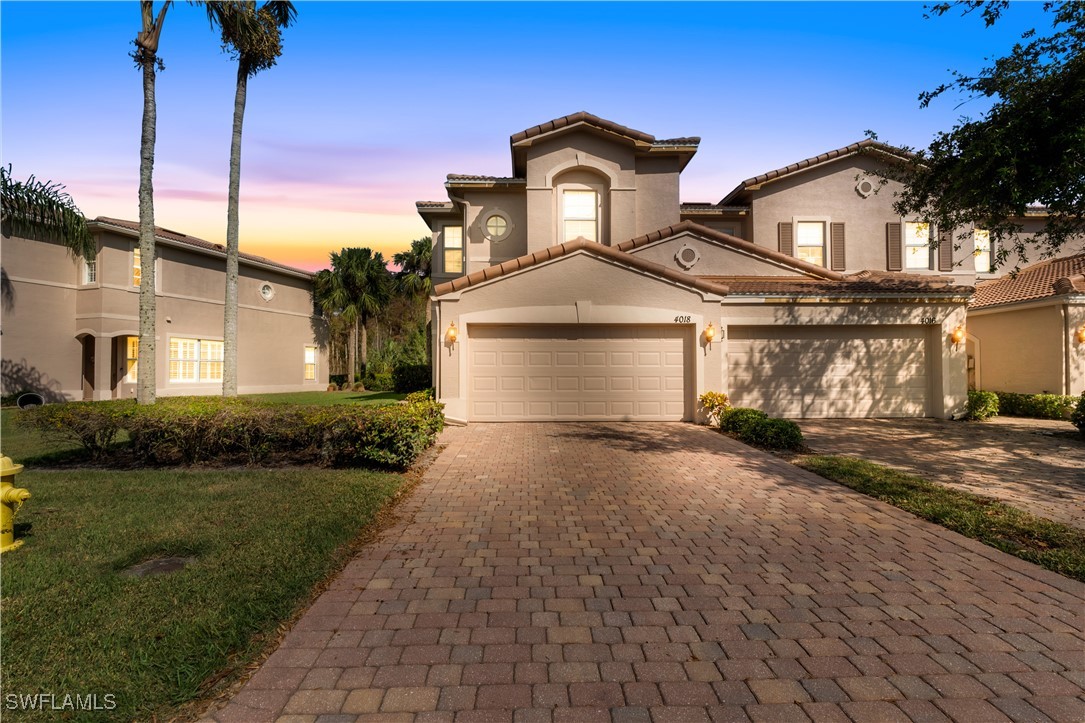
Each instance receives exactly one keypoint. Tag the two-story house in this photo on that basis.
(581, 288)
(71, 329)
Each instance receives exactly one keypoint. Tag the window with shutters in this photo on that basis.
(310, 363)
(917, 245)
(982, 254)
(195, 360)
(453, 245)
(580, 215)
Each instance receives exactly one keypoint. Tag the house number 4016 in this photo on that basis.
(927, 320)
(682, 319)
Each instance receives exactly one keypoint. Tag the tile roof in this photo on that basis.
(733, 241)
(569, 247)
(817, 160)
(711, 208)
(864, 283)
(470, 178)
(604, 124)
(1053, 277)
(433, 204)
(196, 243)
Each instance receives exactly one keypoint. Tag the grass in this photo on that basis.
(1051, 545)
(329, 398)
(262, 540)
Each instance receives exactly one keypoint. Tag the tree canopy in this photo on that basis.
(1025, 156)
(43, 210)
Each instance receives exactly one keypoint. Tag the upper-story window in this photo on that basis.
(982, 254)
(917, 245)
(580, 215)
(810, 242)
(137, 270)
(453, 260)
(310, 364)
(90, 271)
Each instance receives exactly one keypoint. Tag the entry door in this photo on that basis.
(579, 372)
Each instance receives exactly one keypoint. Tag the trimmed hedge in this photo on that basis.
(736, 419)
(213, 429)
(753, 426)
(1036, 406)
(981, 405)
(1078, 417)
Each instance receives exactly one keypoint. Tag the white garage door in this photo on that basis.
(578, 372)
(847, 371)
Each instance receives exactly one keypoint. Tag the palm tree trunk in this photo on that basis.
(147, 42)
(229, 326)
(351, 353)
(365, 347)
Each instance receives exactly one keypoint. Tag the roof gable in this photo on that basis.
(774, 259)
(570, 248)
(867, 145)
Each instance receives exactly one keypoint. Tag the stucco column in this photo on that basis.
(103, 368)
(954, 371)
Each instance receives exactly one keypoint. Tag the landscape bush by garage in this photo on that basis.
(1036, 406)
(736, 419)
(1078, 417)
(772, 433)
(191, 430)
(981, 405)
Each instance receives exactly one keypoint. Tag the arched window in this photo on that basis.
(581, 206)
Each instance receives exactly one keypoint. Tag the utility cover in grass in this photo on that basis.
(158, 566)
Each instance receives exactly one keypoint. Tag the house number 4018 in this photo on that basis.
(682, 319)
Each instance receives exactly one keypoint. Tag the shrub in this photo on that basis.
(981, 405)
(714, 404)
(94, 425)
(188, 429)
(1078, 417)
(333, 388)
(736, 419)
(411, 378)
(773, 434)
(378, 381)
(1036, 406)
(339, 380)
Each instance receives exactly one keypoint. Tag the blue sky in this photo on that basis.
(372, 104)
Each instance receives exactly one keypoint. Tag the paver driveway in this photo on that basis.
(662, 572)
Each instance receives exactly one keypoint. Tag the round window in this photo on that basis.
(497, 226)
(267, 292)
(687, 256)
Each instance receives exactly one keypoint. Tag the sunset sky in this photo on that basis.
(372, 104)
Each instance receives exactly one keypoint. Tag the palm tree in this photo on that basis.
(355, 288)
(252, 36)
(146, 57)
(413, 278)
(40, 210)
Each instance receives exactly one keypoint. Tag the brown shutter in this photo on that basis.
(894, 260)
(945, 251)
(836, 249)
(786, 233)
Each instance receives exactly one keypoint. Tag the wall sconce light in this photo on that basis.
(957, 336)
(1081, 334)
(709, 333)
(451, 334)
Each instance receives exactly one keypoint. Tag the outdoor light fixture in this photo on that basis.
(1081, 334)
(957, 336)
(709, 333)
(451, 334)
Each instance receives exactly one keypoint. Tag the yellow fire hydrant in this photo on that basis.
(11, 499)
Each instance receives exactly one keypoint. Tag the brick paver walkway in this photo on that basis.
(1033, 464)
(663, 572)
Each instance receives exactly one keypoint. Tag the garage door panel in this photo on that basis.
(829, 372)
(584, 372)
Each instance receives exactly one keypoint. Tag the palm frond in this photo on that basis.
(43, 210)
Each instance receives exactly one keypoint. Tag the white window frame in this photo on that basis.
(131, 363)
(445, 248)
(978, 254)
(597, 207)
(200, 359)
(134, 268)
(88, 275)
(824, 222)
(306, 363)
(911, 260)
(496, 213)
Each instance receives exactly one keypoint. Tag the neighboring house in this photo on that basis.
(580, 288)
(1026, 333)
(72, 329)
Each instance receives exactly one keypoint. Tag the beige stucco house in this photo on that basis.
(71, 329)
(581, 288)
(1026, 332)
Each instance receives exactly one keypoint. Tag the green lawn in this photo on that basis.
(1052, 545)
(261, 539)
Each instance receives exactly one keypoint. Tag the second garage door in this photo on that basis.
(579, 372)
(845, 371)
